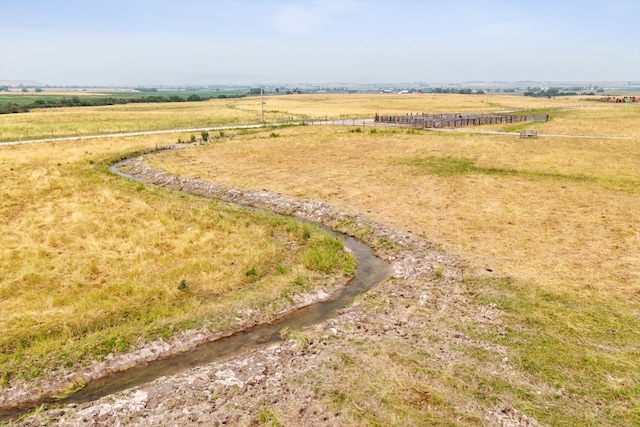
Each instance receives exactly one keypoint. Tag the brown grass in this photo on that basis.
(548, 229)
(59, 122)
(563, 221)
(369, 104)
(91, 263)
(552, 218)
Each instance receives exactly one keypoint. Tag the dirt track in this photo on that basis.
(358, 122)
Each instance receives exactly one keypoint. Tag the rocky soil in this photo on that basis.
(425, 299)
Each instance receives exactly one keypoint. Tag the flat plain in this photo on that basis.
(546, 228)
(93, 264)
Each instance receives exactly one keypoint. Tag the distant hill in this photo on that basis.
(16, 83)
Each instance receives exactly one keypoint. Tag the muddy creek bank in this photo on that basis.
(359, 354)
(308, 310)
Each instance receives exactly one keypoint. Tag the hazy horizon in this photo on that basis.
(195, 42)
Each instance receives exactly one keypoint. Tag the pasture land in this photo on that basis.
(551, 210)
(74, 121)
(548, 228)
(93, 264)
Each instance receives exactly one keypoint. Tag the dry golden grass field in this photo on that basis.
(557, 211)
(91, 263)
(548, 229)
(62, 122)
(549, 226)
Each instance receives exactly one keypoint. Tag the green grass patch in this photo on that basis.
(453, 166)
(457, 166)
(581, 350)
(266, 417)
(518, 128)
(326, 254)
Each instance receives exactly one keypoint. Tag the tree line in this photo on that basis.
(537, 92)
(77, 101)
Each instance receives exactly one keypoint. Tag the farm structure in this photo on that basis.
(626, 99)
(457, 120)
(528, 133)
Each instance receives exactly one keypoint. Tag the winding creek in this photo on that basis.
(370, 271)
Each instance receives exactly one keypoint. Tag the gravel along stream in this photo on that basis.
(370, 271)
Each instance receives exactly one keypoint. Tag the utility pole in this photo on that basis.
(262, 102)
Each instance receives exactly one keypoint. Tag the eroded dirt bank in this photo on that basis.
(314, 379)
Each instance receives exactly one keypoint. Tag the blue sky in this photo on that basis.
(65, 42)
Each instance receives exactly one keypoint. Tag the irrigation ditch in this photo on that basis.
(309, 310)
(425, 304)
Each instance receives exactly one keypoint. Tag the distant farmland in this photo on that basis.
(515, 294)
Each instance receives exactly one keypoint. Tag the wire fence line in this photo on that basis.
(136, 133)
(272, 118)
(355, 120)
(106, 130)
(26, 135)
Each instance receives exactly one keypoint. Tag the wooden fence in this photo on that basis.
(457, 120)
